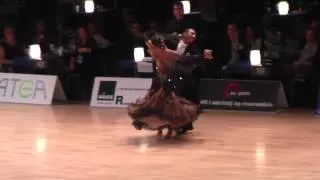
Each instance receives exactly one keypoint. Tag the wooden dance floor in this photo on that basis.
(75, 142)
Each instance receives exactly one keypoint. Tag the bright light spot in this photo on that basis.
(89, 6)
(138, 54)
(35, 52)
(186, 7)
(41, 144)
(283, 8)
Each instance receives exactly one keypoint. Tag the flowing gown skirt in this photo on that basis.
(163, 107)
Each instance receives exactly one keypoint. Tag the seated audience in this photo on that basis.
(9, 49)
(179, 23)
(303, 65)
(252, 41)
(42, 36)
(133, 38)
(101, 41)
(84, 61)
(152, 28)
(235, 50)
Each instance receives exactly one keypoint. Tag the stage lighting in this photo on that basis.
(283, 8)
(138, 54)
(255, 58)
(186, 7)
(89, 6)
(35, 52)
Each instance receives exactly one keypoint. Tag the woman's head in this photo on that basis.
(157, 40)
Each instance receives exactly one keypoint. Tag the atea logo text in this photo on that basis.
(107, 91)
(20, 88)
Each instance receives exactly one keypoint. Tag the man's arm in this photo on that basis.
(192, 60)
(197, 57)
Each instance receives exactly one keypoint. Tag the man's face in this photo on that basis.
(190, 36)
(178, 12)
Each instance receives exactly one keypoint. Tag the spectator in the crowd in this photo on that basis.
(101, 41)
(42, 36)
(252, 41)
(133, 38)
(84, 62)
(153, 27)
(303, 65)
(179, 23)
(9, 49)
(135, 30)
(235, 49)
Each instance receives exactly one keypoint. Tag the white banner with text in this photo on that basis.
(30, 89)
(118, 92)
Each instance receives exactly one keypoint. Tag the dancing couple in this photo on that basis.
(170, 103)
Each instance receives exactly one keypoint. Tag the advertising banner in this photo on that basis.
(27, 88)
(118, 92)
(242, 95)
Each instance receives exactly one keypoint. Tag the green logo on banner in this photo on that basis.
(25, 89)
(107, 90)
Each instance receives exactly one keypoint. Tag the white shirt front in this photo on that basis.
(181, 48)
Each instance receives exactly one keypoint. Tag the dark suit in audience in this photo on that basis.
(133, 38)
(233, 49)
(10, 49)
(11, 52)
(84, 61)
(175, 26)
(179, 23)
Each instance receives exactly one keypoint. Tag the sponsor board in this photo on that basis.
(29, 88)
(118, 92)
(241, 95)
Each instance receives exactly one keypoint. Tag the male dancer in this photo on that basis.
(186, 45)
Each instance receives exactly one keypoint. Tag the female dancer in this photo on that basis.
(164, 106)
